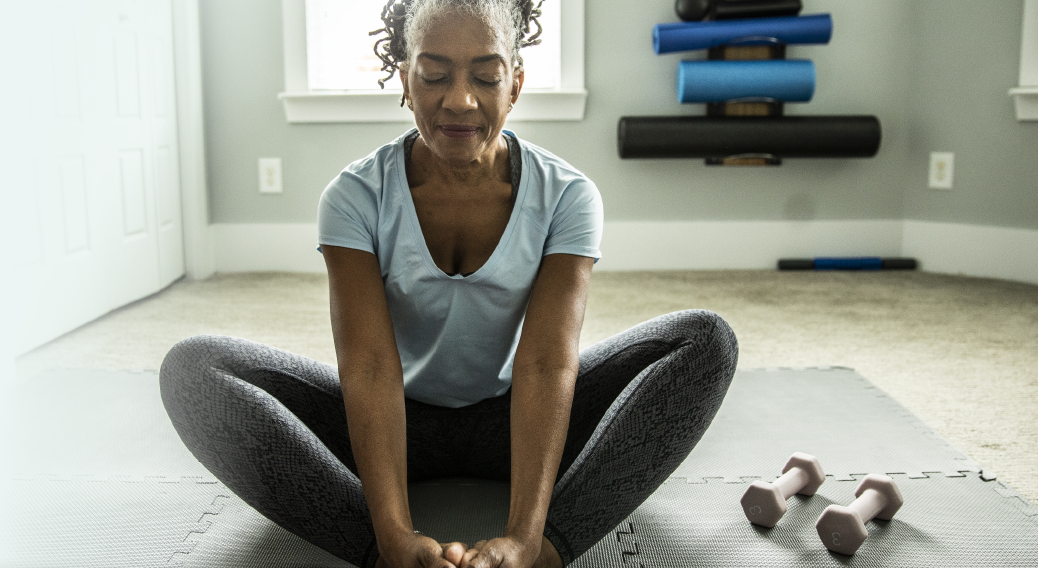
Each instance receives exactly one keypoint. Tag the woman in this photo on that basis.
(458, 259)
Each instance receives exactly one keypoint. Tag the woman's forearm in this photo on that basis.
(541, 402)
(378, 435)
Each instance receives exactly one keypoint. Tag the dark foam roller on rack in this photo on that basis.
(696, 10)
(791, 80)
(782, 137)
(690, 36)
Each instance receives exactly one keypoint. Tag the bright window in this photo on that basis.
(331, 71)
(340, 55)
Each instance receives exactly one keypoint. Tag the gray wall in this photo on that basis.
(907, 64)
(966, 61)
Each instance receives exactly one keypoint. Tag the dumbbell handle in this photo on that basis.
(869, 504)
(791, 482)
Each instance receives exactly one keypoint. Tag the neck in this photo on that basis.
(491, 165)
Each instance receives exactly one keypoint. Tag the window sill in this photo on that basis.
(377, 106)
(1026, 102)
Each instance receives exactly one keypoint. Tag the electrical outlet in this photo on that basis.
(270, 175)
(942, 170)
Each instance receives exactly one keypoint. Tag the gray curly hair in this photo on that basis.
(405, 20)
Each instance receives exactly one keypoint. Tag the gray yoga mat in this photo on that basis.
(94, 475)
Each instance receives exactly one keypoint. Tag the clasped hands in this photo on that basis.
(419, 551)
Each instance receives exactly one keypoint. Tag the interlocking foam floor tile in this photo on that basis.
(834, 414)
(93, 523)
(96, 476)
(945, 522)
(91, 423)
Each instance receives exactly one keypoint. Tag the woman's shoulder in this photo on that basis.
(553, 174)
(547, 161)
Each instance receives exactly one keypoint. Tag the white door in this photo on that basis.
(92, 204)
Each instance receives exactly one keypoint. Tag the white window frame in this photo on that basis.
(567, 102)
(1026, 94)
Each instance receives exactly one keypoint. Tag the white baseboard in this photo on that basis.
(274, 247)
(991, 252)
(972, 250)
(714, 245)
(626, 245)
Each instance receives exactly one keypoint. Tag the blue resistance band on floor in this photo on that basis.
(791, 80)
(689, 36)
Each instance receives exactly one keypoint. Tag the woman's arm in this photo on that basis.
(373, 390)
(543, 377)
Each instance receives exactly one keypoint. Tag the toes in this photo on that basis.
(454, 552)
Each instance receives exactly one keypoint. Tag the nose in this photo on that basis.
(460, 98)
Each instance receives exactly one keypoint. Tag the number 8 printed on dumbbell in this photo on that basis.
(877, 497)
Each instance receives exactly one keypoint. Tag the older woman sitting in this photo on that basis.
(458, 258)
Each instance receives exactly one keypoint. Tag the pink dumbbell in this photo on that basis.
(765, 503)
(842, 529)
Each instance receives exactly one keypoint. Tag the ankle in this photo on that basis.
(549, 557)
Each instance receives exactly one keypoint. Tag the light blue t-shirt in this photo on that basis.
(457, 334)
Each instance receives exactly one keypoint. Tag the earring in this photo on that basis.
(510, 106)
(410, 105)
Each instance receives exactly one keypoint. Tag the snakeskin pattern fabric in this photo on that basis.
(271, 426)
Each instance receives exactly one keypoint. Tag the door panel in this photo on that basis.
(92, 211)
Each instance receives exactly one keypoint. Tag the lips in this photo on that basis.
(459, 130)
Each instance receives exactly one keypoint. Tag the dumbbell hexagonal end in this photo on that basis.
(841, 529)
(888, 488)
(763, 504)
(810, 465)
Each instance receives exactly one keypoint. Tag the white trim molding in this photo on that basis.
(1026, 95)
(567, 103)
(715, 245)
(948, 248)
(973, 250)
(198, 238)
(274, 247)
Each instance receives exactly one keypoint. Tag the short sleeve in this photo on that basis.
(347, 215)
(576, 226)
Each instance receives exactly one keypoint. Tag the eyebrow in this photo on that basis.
(445, 59)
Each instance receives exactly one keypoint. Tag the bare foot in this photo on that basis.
(549, 557)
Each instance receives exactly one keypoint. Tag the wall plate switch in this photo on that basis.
(270, 175)
(942, 170)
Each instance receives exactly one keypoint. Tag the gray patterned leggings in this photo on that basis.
(272, 427)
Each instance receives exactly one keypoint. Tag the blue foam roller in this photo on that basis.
(688, 36)
(849, 263)
(788, 80)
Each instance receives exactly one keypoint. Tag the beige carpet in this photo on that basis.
(961, 353)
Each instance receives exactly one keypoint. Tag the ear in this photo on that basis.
(402, 71)
(517, 83)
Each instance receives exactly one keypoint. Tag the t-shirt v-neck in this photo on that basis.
(515, 166)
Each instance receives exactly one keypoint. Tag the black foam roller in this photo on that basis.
(899, 264)
(730, 10)
(718, 137)
(696, 10)
(796, 264)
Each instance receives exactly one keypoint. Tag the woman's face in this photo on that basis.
(460, 81)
